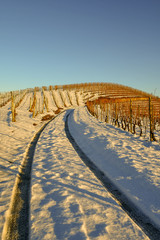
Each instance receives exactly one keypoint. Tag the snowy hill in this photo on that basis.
(67, 201)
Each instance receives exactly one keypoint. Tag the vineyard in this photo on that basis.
(137, 115)
(125, 107)
(50, 136)
(122, 106)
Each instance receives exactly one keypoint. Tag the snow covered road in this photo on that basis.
(131, 164)
(67, 200)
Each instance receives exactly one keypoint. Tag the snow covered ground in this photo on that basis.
(14, 139)
(67, 200)
(131, 163)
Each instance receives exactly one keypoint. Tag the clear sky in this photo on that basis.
(49, 42)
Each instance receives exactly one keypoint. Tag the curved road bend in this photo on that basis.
(74, 196)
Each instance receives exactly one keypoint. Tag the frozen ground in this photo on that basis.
(67, 200)
(14, 138)
(132, 164)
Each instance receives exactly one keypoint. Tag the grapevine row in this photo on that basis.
(137, 114)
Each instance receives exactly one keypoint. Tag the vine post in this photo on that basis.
(30, 105)
(34, 109)
(115, 117)
(13, 107)
(131, 115)
(151, 120)
(107, 115)
(45, 100)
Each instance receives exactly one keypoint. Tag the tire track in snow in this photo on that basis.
(68, 201)
(16, 226)
(143, 221)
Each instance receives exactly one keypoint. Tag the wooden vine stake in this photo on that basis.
(34, 108)
(101, 108)
(152, 138)
(39, 106)
(33, 104)
(30, 105)
(107, 115)
(116, 115)
(13, 108)
(43, 106)
(131, 115)
(45, 100)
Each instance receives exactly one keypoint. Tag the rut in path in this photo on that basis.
(139, 217)
(16, 225)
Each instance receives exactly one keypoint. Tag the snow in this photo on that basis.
(14, 138)
(131, 163)
(67, 200)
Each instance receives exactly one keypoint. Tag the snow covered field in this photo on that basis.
(67, 200)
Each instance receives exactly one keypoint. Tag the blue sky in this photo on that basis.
(49, 42)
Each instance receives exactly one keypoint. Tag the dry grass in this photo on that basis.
(47, 117)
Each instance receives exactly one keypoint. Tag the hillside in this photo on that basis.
(125, 107)
(24, 113)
